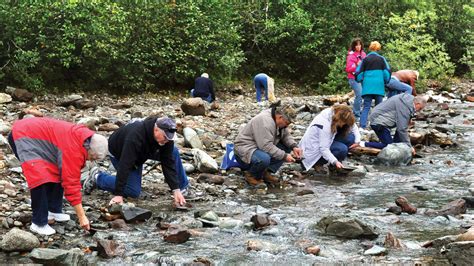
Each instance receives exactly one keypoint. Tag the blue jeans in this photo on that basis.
(395, 87)
(261, 83)
(384, 136)
(367, 104)
(357, 88)
(207, 99)
(133, 186)
(339, 147)
(262, 161)
(44, 198)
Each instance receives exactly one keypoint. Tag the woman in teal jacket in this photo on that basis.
(374, 73)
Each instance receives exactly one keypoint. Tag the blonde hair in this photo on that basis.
(375, 46)
(342, 117)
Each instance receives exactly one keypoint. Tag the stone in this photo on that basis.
(314, 250)
(209, 218)
(22, 95)
(460, 253)
(439, 138)
(89, 122)
(189, 168)
(121, 106)
(49, 256)
(453, 208)
(19, 240)
(116, 208)
(193, 106)
(230, 223)
(108, 127)
(69, 100)
(467, 236)
(347, 227)
(403, 203)
(176, 235)
(253, 245)
(204, 162)
(260, 221)
(201, 262)
(375, 251)
(417, 138)
(5, 98)
(365, 151)
(109, 248)
(470, 98)
(215, 105)
(4, 128)
(119, 224)
(395, 154)
(191, 139)
(469, 201)
(210, 179)
(304, 192)
(133, 214)
(395, 210)
(392, 242)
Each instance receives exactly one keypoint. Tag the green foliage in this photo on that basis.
(337, 77)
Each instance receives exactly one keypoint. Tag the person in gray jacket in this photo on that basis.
(265, 143)
(395, 112)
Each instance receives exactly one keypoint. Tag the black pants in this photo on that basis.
(44, 198)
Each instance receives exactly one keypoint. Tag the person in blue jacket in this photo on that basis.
(374, 73)
(204, 88)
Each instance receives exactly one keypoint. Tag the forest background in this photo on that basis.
(130, 46)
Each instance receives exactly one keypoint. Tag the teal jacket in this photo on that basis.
(374, 73)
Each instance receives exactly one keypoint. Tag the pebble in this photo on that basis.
(375, 250)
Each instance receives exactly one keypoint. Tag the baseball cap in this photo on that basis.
(287, 112)
(168, 125)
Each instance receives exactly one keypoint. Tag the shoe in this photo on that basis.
(59, 217)
(269, 178)
(252, 181)
(42, 230)
(89, 177)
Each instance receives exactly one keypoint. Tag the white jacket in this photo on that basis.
(318, 139)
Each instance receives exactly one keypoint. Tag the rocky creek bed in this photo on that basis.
(311, 218)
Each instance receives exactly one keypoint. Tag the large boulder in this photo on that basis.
(191, 138)
(347, 227)
(5, 98)
(204, 162)
(193, 106)
(49, 256)
(460, 253)
(70, 99)
(22, 95)
(395, 154)
(19, 240)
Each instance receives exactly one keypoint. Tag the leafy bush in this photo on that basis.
(337, 78)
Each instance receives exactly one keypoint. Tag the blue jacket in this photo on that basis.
(203, 87)
(374, 73)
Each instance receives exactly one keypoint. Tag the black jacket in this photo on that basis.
(135, 143)
(203, 87)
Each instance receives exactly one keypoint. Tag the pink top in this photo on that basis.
(353, 59)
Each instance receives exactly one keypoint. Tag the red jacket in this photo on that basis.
(52, 151)
(352, 61)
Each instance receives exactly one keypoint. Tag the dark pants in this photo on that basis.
(44, 198)
(262, 161)
(339, 147)
(384, 136)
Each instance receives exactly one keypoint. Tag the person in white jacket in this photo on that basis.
(329, 137)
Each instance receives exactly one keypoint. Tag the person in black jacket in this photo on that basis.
(204, 88)
(130, 146)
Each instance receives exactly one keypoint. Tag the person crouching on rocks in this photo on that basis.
(329, 137)
(395, 112)
(52, 153)
(265, 143)
(130, 147)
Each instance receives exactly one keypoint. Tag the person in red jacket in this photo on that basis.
(52, 153)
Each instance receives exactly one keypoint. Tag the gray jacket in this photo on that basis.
(395, 112)
(261, 133)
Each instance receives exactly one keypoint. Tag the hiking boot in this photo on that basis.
(45, 230)
(89, 177)
(269, 178)
(58, 217)
(252, 181)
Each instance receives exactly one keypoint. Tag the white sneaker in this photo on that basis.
(59, 217)
(42, 230)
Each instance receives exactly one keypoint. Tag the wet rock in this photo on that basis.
(403, 203)
(395, 210)
(19, 240)
(108, 127)
(467, 236)
(201, 262)
(470, 98)
(417, 138)
(204, 162)
(210, 179)
(22, 95)
(453, 208)
(191, 138)
(375, 251)
(133, 214)
(189, 168)
(469, 201)
(49, 256)
(443, 106)
(5, 98)
(314, 250)
(116, 208)
(436, 137)
(89, 122)
(193, 106)
(304, 192)
(392, 242)
(460, 253)
(347, 227)
(109, 248)
(438, 120)
(121, 106)
(4, 128)
(209, 219)
(253, 245)
(119, 224)
(69, 100)
(176, 235)
(230, 223)
(365, 151)
(395, 154)
(260, 221)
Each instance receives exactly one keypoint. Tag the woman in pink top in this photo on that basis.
(354, 58)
